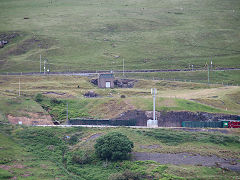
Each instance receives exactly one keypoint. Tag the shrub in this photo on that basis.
(126, 175)
(113, 146)
(123, 96)
(55, 101)
(73, 139)
(81, 157)
(38, 98)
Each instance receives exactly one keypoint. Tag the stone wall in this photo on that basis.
(173, 119)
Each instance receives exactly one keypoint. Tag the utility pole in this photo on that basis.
(123, 67)
(19, 89)
(154, 92)
(40, 63)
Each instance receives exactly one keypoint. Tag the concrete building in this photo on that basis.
(106, 80)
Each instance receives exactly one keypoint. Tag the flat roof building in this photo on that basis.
(106, 80)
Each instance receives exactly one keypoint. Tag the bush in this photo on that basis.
(73, 139)
(81, 157)
(123, 96)
(55, 101)
(126, 175)
(113, 146)
(38, 98)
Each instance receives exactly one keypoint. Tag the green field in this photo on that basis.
(215, 77)
(82, 35)
(91, 35)
(45, 153)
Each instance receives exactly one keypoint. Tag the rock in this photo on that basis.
(1, 44)
(94, 81)
(51, 147)
(91, 94)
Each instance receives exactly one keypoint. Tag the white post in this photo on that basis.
(153, 123)
(44, 68)
(19, 90)
(67, 112)
(123, 67)
(208, 74)
(40, 63)
(154, 98)
(154, 92)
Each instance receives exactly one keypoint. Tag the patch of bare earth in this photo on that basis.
(31, 119)
(57, 94)
(92, 137)
(187, 159)
(7, 167)
(28, 45)
(114, 108)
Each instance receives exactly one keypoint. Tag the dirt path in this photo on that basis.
(188, 159)
(93, 137)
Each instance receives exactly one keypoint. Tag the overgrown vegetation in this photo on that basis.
(47, 153)
(57, 108)
(113, 146)
(173, 137)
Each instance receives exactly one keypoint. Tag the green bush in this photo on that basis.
(73, 139)
(113, 146)
(126, 175)
(55, 101)
(43, 142)
(81, 157)
(39, 98)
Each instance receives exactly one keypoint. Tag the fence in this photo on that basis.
(103, 122)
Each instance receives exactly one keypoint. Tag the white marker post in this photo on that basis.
(154, 122)
(19, 89)
(40, 63)
(123, 67)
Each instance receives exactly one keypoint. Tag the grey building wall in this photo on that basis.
(103, 78)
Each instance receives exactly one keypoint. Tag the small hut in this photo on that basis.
(106, 80)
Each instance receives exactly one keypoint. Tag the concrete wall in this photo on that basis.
(102, 81)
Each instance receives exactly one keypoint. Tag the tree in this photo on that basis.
(113, 146)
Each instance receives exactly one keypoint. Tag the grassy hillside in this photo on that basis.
(215, 77)
(93, 35)
(57, 91)
(38, 152)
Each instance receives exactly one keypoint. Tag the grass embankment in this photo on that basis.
(48, 153)
(57, 91)
(79, 35)
(215, 77)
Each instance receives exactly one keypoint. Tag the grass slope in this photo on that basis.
(45, 152)
(57, 91)
(215, 77)
(93, 35)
